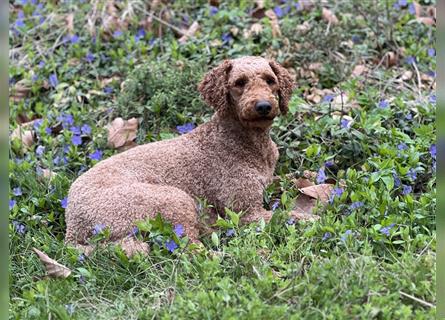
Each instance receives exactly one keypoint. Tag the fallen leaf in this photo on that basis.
(320, 192)
(190, 32)
(391, 59)
(359, 70)
(69, 19)
(259, 11)
(310, 175)
(329, 16)
(276, 31)
(122, 132)
(24, 133)
(305, 203)
(304, 27)
(214, 3)
(256, 29)
(431, 10)
(302, 183)
(315, 66)
(426, 20)
(407, 75)
(53, 268)
(20, 90)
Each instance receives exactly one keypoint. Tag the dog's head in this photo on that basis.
(254, 88)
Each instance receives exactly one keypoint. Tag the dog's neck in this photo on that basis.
(232, 128)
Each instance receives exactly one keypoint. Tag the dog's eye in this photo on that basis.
(240, 82)
(270, 81)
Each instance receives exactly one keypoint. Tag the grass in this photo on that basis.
(371, 255)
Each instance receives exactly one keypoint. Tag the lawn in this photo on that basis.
(362, 119)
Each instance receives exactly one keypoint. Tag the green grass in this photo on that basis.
(371, 255)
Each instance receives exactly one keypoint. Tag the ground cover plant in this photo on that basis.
(361, 119)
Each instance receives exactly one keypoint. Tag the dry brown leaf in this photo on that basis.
(431, 10)
(320, 192)
(359, 70)
(329, 16)
(190, 32)
(256, 29)
(20, 90)
(305, 27)
(426, 20)
(259, 11)
(305, 203)
(391, 59)
(214, 3)
(24, 133)
(53, 268)
(48, 174)
(427, 78)
(310, 175)
(276, 31)
(315, 66)
(69, 19)
(302, 183)
(122, 132)
(407, 75)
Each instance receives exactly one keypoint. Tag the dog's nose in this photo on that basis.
(263, 107)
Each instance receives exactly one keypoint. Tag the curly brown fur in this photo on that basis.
(228, 161)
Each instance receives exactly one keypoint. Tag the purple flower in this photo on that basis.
(345, 123)
(41, 64)
(117, 33)
(278, 11)
(402, 3)
(185, 128)
(402, 146)
(81, 258)
(409, 116)
(432, 99)
(275, 205)
(74, 39)
(213, 10)
(230, 232)
(66, 148)
(75, 130)
(356, 205)
(171, 245)
(76, 140)
(356, 39)
(53, 80)
(328, 98)
(96, 155)
(412, 174)
(290, 221)
(321, 176)
(19, 23)
(67, 120)
(17, 191)
(406, 189)
(134, 231)
(98, 228)
(431, 73)
(48, 130)
(19, 227)
(337, 192)
(139, 35)
(329, 164)
(108, 90)
(179, 230)
(410, 60)
(226, 37)
(12, 204)
(397, 182)
(34, 78)
(81, 279)
(346, 234)
(385, 230)
(326, 236)
(433, 151)
(86, 129)
(383, 104)
(412, 8)
(64, 202)
(40, 150)
(432, 52)
(89, 57)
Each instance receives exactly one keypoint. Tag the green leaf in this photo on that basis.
(215, 239)
(389, 182)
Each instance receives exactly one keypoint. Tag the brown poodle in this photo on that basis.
(228, 161)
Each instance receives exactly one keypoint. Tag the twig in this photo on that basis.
(422, 302)
(182, 33)
(419, 81)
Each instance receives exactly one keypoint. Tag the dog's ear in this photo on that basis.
(214, 88)
(286, 85)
